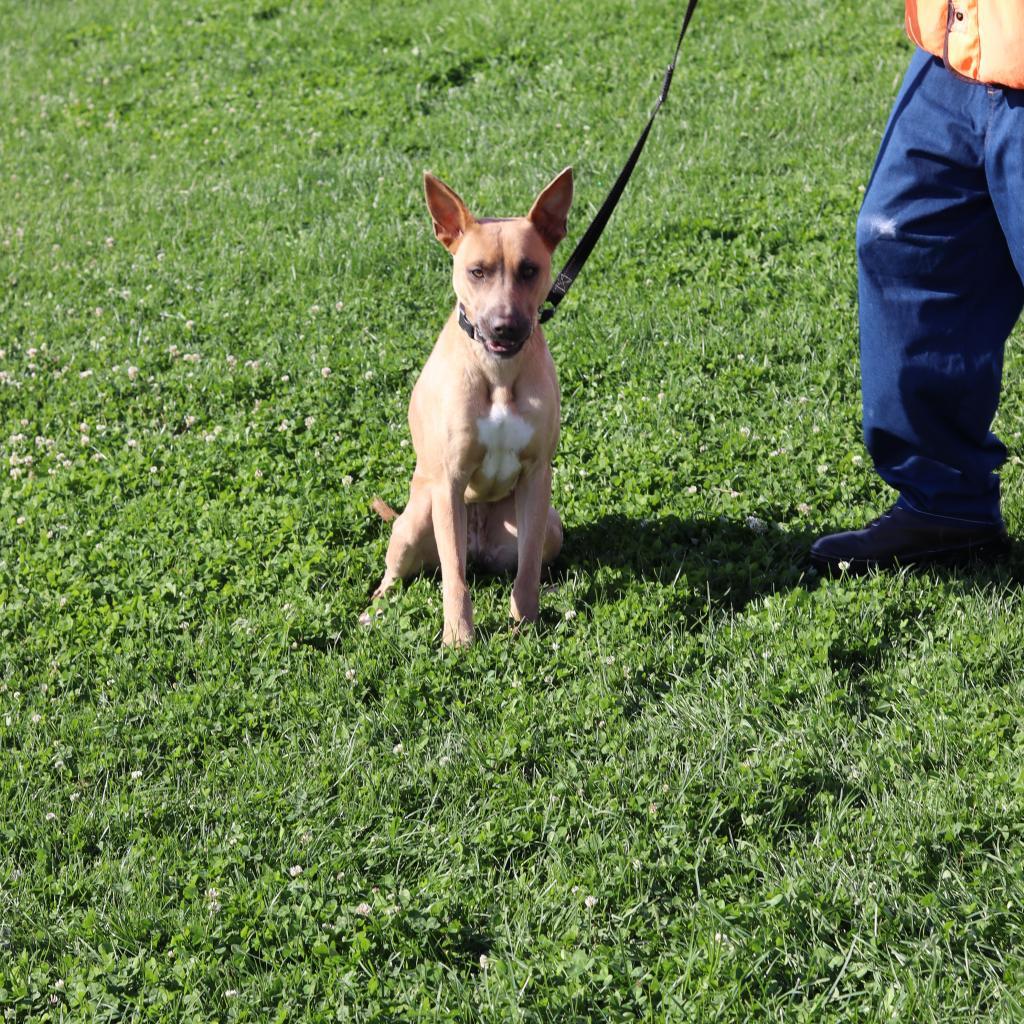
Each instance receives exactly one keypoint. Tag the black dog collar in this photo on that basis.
(465, 324)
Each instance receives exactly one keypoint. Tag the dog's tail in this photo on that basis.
(383, 509)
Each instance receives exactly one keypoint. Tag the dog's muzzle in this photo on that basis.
(502, 338)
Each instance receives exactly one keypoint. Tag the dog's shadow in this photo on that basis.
(720, 562)
(714, 564)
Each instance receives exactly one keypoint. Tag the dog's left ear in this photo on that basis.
(550, 210)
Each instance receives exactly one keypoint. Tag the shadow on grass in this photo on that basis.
(718, 562)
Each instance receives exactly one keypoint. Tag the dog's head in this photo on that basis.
(502, 270)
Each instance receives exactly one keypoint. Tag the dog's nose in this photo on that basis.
(511, 328)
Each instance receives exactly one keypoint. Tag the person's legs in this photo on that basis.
(940, 248)
(1004, 166)
(939, 294)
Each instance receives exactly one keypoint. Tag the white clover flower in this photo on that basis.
(843, 566)
(346, 481)
(133, 372)
(325, 372)
(398, 749)
(590, 902)
(756, 525)
(295, 870)
(137, 774)
(364, 910)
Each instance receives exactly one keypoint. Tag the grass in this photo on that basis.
(709, 786)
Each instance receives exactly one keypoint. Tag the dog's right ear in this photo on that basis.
(451, 217)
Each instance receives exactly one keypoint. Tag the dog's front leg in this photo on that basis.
(533, 499)
(448, 507)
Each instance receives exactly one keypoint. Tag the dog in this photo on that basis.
(484, 413)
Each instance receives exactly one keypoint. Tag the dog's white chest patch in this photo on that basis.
(504, 434)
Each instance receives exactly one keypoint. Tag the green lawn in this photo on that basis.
(709, 786)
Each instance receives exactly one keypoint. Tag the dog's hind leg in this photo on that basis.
(501, 552)
(412, 546)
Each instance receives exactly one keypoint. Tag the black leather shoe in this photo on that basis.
(901, 537)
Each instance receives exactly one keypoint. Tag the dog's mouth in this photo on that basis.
(504, 348)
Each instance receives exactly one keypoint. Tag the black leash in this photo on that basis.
(585, 246)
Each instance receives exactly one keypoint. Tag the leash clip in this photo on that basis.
(667, 83)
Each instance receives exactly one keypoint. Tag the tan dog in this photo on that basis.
(484, 413)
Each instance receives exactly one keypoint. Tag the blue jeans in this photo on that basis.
(940, 253)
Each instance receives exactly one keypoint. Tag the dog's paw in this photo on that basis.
(457, 634)
(525, 608)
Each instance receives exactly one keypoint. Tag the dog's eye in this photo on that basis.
(477, 272)
(527, 270)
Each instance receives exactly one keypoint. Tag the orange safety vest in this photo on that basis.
(980, 39)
